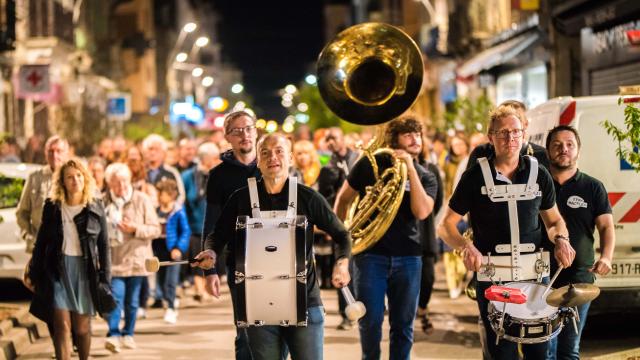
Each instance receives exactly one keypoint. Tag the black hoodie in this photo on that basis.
(224, 179)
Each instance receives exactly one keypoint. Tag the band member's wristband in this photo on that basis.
(211, 271)
(560, 236)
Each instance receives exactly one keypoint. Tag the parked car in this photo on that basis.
(13, 255)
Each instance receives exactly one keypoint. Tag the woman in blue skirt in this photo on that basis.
(70, 259)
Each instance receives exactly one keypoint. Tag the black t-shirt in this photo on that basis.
(310, 203)
(580, 200)
(491, 220)
(402, 238)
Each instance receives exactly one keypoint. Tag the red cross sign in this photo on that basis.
(34, 79)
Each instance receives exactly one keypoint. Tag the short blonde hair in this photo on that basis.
(59, 192)
(501, 112)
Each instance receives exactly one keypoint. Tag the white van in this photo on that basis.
(620, 290)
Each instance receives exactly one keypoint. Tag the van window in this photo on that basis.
(10, 190)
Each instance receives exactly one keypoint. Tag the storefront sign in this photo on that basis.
(33, 80)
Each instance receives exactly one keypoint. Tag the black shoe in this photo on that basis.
(346, 324)
(427, 326)
(157, 304)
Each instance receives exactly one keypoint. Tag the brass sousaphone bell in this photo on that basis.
(369, 74)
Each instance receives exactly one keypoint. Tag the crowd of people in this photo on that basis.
(130, 201)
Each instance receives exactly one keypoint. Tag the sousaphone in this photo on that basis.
(369, 74)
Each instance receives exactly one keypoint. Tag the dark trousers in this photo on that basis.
(427, 281)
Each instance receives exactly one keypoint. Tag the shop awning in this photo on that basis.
(498, 54)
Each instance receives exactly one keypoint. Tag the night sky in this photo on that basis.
(274, 43)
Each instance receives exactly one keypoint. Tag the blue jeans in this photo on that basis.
(167, 279)
(567, 344)
(126, 291)
(505, 349)
(266, 342)
(399, 278)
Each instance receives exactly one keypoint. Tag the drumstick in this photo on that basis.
(555, 276)
(153, 264)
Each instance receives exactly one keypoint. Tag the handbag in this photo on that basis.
(105, 301)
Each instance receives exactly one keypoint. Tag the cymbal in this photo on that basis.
(573, 295)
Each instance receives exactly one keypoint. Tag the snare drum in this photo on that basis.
(530, 323)
(271, 271)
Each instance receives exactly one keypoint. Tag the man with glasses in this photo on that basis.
(528, 148)
(498, 224)
(238, 164)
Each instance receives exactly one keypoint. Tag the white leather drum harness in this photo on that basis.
(516, 266)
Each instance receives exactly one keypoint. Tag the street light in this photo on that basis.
(189, 27)
(197, 72)
(182, 57)
(237, 88)
(202, 41)
(207, 81)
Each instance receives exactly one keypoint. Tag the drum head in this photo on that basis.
(535, 308)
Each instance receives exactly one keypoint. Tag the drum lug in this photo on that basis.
(258, 323)
(257, 225)
(242, 324)
(239, 277)
(549, 329)
(255, 277)
(522, 331)
(302, 323)
(302, 276)
(284, 225)
(284, 323)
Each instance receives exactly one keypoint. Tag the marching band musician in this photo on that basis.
(491, 219)
(584, 205)
(274, 160)
(393, 266)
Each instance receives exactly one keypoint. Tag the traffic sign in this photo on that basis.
(33, 80)
(119, 106)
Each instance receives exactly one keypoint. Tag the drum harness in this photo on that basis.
(511, 194)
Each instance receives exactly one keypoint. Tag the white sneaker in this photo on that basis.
(455, 293)
(176, 303)
(112, 344)
(171, 316)
(128, 342)
(141, 313)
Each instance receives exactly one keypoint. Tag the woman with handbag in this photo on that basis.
(71, 261)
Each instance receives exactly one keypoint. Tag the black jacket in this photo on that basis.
(47, 261)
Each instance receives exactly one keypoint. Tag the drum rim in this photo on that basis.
(552, 317)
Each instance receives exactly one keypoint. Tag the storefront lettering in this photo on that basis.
(615, 37)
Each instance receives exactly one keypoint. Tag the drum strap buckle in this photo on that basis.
(541, 266)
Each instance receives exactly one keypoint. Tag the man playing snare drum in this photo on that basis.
(274, 160)
(484, 192)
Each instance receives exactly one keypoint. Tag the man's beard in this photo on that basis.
(244, 151)
(563, 165)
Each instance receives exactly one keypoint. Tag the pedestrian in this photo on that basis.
(330, 180)
(392, 267)
(238, 164)
(491, 218)
(195, 186)
(133, 223)
(170, 246)
(154, 150)
(429, 241)
(187, 150)
(37, 188)
(274, 159)
(584, 205)
(70, 258)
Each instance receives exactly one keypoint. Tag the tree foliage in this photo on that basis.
(320, 116)
(468, 115)
(628, 139)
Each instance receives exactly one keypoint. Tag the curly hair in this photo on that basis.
(400, 126)
(59, 192)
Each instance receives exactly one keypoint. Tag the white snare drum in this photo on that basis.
(271, 273)
(530, 323)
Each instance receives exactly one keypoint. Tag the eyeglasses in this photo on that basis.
(504, 134)
(241, 130)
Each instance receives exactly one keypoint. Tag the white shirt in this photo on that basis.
(71, 239)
